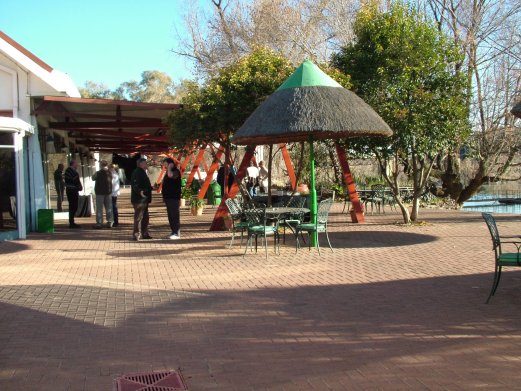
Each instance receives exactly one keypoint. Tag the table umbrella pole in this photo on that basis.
(312, 193)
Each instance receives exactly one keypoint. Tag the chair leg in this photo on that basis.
(297, 244)
(497, 282)
(494, 284)
(231, 242)
(247, 245)
(266, 246)
(328, 242)
(318, 244)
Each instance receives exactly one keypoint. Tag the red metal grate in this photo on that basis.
(151, 381)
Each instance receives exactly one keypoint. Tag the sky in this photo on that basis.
(106, 41)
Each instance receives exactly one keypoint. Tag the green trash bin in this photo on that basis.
(214, 194)
(46, 220)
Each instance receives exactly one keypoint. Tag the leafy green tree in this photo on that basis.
(93, 90)
(402, 66)
(155, 86)
(213, 112)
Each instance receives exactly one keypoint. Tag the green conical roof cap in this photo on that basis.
(308, 75)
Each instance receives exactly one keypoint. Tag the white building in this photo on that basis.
(22, 185)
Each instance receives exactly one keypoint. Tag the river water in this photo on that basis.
(487, 199)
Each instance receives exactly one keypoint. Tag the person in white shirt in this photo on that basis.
(263, 178)
(114, 168)
(253, 179)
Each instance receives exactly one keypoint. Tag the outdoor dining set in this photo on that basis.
(256, 220)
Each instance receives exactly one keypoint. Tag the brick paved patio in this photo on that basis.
(392, 308)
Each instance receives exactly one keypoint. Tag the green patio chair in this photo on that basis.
(320, 226)
(239, 224)
(376, 198)
(257, 226)
(502, 259)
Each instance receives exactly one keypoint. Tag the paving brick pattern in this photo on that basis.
(392, 308)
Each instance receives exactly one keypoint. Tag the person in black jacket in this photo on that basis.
(72, 188)
(141, 196)
(103, 189)
(171, 189)
(59, 185)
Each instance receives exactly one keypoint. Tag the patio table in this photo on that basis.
(281, 214)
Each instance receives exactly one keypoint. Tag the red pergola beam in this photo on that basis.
(218, 220)
(195, 167)
(109, 125)
(117, 133)
(289, 166)
(209, 172)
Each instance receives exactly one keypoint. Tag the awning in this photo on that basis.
(15, 125)
(107, 125)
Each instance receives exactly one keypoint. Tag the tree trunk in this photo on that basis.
(405, 211)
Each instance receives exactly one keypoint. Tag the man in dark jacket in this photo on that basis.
(103, 189)
(171, 190)
(72, 188)
(141, 196)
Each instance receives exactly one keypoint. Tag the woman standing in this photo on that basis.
(114, 168)
(171, 190)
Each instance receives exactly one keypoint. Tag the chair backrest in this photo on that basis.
(255, 215)
(233, 208)
(323, 211)
(378, 189)
(494, 233)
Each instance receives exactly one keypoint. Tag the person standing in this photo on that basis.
(253, 179)
(171, 190)
(103, 189)
(141, 197)
(220, 177)
(59, 185)
(114, 168)
(263, 178)
(72, 188)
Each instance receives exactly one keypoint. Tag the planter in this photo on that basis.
(182, 202)
(303, 188)
(197, 211)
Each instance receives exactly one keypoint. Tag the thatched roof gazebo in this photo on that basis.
(310, 106)
(310, 103)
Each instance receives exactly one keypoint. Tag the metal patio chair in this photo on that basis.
(257, 226)
(239, 223)
(512, 259)
(320, 226)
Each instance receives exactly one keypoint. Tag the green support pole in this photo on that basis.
(312, 193)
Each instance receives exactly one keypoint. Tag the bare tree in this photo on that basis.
(487, 33)
(216, 37)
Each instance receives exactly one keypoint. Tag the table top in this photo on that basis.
(283, 210)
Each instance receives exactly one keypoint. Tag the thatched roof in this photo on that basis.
(516, 110)
(310, 102)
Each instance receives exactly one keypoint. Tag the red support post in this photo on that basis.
(289, 166)
(357, 212)
(209, 173)
(185, 162)
(195, 168)
(218, 220)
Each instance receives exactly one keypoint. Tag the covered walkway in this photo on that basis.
(393, 308)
